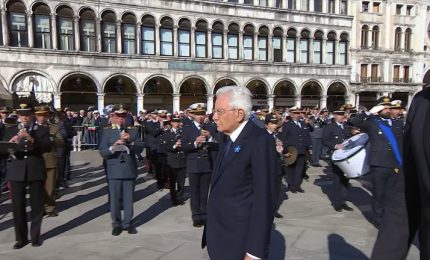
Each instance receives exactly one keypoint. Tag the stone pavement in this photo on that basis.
(311, 229)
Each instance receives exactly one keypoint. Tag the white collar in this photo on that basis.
(197, 125)
(236, 133)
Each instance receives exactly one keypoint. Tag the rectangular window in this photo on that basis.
(396, 73)
(217, 45)
(317, 51)
(248, 47)
(330, 52)
(262, 48)
(375, 7)
(166, 42)
(248, 2)
(344, 7)
(364, 6)
(201, 45)
(65, 34)
(318, 6)
(88, 36)
(278, 3)
(291, 50)
(342, 53)
(233, 46)
(184, 38)
(304, 51)
(330, 8)
(232, 1)
(399, 9)
(277, 49)
(363, 73)
(409, 10)
(109, 37)
(406, 74)
(291, 4)
(129, 39)
(148, 40)
(43, 31)
(374, 73)
(18, 30)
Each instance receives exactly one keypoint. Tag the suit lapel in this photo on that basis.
(241, 143)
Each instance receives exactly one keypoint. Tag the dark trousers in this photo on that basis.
(390, 205)
(281, 192)
(67, 167)
(121, 195)
(176, 183)
(19, 213)
(161, 169)
(340, 186)
(316, 150)
(199, 186)
(295, 172)
(61, 167)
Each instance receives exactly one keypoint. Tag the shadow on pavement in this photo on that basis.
(339, 249)
(156, 209)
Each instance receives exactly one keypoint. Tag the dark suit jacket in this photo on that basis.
(417, 168)
(175, 156)
(120, 165)
(152, 131)
(380, 153)
(28, 164)
(334, 134)
(243, 196)
(292, 135)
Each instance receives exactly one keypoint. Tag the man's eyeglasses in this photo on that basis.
(221, 111)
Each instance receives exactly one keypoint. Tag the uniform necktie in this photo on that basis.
(227, 146)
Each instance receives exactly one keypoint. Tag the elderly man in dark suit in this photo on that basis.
(26, 168)
(244, 186)
(119, 146)
(417, 169)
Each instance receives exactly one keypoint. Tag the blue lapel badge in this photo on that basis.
(237, 149)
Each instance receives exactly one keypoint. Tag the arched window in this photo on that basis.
(184, 38)
(330, 48)
(233, 41)
(166, 37)
(128, 30)
(65, 28)
(397, 38)
(375, 37)
(408, 34)
(18, 34)
(248, 42)
(42, 26)
(201, 39)
(263, 34)
(317, 47)
(364, 36)
(217, 40)
(291, 45)
(277, 45)
(304, 46)
(148, 35)
(88, 30)
(343, 49)
(109, 32)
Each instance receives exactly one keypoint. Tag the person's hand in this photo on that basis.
(339, 146)
(206, 133)
(287, 155)
(247, 257)
(14, 139)
(125, 136)
(200, 139)
(376, 109)
(119, 142)
(178, 143)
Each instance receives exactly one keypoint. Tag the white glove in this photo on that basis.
(376, 109)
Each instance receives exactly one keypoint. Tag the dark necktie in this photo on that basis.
(227, 146)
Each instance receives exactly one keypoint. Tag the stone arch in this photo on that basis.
(33, 87)
(260, 90)
(336, 95)
(60, 5)
(311, 92)
(31, 6)
(158, 91)
(224, 81)
(96, 82)
(120, 88)
(79, 90)
(5, 95)
(193, 89)
(285, 91)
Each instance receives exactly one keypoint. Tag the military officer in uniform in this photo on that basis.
(386, 169)
(26, 168)
(197, 143)
(56, 136)
(172, 144)
(152, 129)
(316, 134)
(295, 133)
(4, 111)
(119, 146)
(333, 136)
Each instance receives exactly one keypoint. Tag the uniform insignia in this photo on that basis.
(396, 170)
(380, 132)
(237, 149)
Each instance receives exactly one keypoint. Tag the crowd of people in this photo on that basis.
(192, 144)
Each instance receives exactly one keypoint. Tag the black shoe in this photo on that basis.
(177, 203)
(116, 231)
(293, 191)
(20, 244)
(301, 190)
(277, 215)
(36, 243)
(306, 177)
(197, 224)
(51, 214)
(131, 230)
(346, 207)
(338, 208)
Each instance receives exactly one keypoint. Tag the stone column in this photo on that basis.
(119, 36)
(240, 1)
(402, 41)
(140, 102)
(298, 100)
(98, 36)
(284, 48)
(311, 50)
(57, 100)
(298, 49)
(336, 6)
(176, 103)
(210, 103)
(225, 45)
(311, 6)
(323, 101)
(255, 50)
(77, 33)
(357, 99)
(157, 39)
(270, 47)
(336, 52)
(271, 101)
(30, 29)
(175, 41)
(240, 45)
(324, 50)
(54, 34)
(4, 28)
(100, 102)
(369, 38)
(138, 39)
(209, 45)
(285, 4)
(324, 6)
(193, 42)
(256, 2)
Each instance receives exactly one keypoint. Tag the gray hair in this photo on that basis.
(239, 97)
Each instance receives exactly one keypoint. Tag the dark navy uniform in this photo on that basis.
(336, 133)
(152, 130)
(161, 168)
(388, 188)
